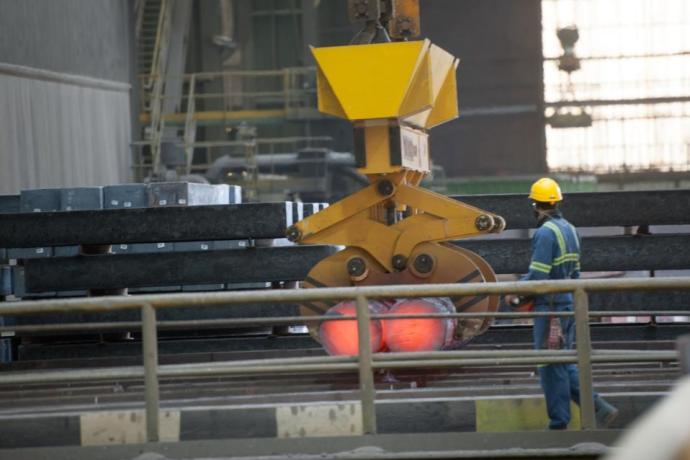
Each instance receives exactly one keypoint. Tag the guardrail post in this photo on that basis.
(683, 347)
(584, 360)
(366, 374)
(150, 349)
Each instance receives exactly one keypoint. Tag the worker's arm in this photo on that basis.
(543, 244)
(576, 272)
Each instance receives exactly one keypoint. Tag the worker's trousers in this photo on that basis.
(560, 382)
(5, 348)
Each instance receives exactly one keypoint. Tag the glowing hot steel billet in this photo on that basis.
(340, 337)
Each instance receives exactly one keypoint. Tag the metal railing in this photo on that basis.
(237, 94)
(366, 362)
(207, 152)
(226, 99)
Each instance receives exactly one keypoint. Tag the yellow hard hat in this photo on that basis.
(545, 190)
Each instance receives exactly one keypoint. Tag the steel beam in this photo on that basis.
(602, 253)
(651, 300)
(611, 253)
(113, 271)
(596, 209)
(148, 225)
(269, 220)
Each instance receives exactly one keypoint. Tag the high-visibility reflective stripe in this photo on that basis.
(559, 236)
(575, 237)
(540, 267)
(569, 257)
(565, 257)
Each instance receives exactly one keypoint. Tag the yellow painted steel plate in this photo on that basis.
(372, 81)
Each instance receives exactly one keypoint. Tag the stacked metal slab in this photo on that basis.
(52, 204)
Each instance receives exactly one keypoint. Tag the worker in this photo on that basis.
(556, 256)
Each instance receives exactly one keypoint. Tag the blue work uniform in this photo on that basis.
(556, 256)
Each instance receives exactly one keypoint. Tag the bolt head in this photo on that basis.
(399, 262)
(483, 223)
(424, 263)
(385, 187)
(293, 234)
(356, 266)
(499, 224)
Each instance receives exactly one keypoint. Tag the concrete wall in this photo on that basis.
(65, 99)
(83, 37)
(499, 46)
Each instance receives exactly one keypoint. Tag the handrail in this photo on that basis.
(229, 323)
(190, 126)
(443, 359)
(366, 361)
(286, 88)
(199, 76)
(113, 303)
(265, 95)
(265, 146)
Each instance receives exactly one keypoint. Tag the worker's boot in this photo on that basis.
(605, 413)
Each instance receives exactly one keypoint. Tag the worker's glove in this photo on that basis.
(554, 340)
(519, 302)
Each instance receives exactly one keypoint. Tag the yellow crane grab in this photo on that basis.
(394, 231)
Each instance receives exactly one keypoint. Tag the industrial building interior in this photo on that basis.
(299, 229)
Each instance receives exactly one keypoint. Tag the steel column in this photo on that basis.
(584, 360)
(366, 374)
(150, 350)
(683, 347)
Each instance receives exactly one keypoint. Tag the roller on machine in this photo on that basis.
(393, 230)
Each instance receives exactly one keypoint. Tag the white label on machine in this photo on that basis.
(414, 146)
